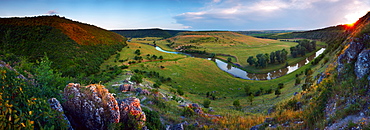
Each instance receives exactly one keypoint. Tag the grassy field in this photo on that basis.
(197, 76)
(127, 54)
(236, 46)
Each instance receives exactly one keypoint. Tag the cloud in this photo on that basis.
(273, 14)
(51, 12)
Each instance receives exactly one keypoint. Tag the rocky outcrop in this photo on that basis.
(350, 54)
(90, 107)
(362, 65)
(126, 88)
(130, 110)
(55, 104)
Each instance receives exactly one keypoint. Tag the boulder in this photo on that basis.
(362, 65)
(55, 104)
(130, 110)
(126, 88)
(90, 107)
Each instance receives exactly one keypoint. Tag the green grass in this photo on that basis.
(197, 76)
(240, 47)
(127, 54)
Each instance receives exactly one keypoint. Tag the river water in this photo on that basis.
(239, 73)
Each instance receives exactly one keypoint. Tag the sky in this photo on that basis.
(233, 15)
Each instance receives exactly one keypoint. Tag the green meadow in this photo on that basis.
(197, 76)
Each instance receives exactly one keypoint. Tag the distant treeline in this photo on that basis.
(147, 33)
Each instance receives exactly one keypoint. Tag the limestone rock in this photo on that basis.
(350, 54)
(130, 110)
(55, 104)
(126, 88)
(90, 107)
(362, 65)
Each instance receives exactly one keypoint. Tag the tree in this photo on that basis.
(278, 56)
(236, 104)
(251, 60)
(272, 57)
(250, 99)
(206, 103)
(284, 56)
(228, 59)
(247, 90)
(267, 58)
(160, 57)
(277, 92)
(137, 52)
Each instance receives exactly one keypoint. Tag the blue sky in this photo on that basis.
(195, 14)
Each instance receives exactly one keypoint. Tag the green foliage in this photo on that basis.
(281, 85)
(188, 112)
(47, 79)
(157, 85)
(138, 78)
(33, 37)
(228, 59)
(153, 121)
(236, 104)
(206, 103)
(250, 99)
(247, 90)
(137, 52)
(23, 106)
(180, 92)
(297, 81)
(277, 92)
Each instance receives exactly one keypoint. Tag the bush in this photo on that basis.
(281, 85)
(180, 92)
(297, 81)
(236, 104)
(277, 92)
(206, 103)
(153, 121)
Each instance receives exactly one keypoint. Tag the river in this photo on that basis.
(239, 73)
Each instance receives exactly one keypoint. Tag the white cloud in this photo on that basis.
(274, 14)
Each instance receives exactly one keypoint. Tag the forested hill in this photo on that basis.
(75, 48)
(81, 33)
(148, 33)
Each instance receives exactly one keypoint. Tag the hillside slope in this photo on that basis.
(72, 46)
(339, 97)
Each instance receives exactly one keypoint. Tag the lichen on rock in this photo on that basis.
(90, 107)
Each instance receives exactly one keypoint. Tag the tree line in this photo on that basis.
(262, 60)
(281, 56)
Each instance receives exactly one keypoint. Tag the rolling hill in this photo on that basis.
(74, 47)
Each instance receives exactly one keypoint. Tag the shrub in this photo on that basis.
(236, 104)
(153, 121)
(206, 103)
(180, 92)
(281, 85)
(277, 92)
(297, 81)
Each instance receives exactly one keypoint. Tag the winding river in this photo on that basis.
(239, 73)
